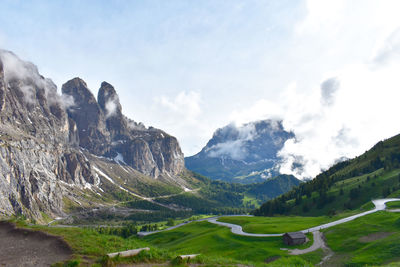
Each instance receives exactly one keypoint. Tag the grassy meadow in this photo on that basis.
(217, 242)
(393, 205)
(276, 225)
(216, 245)
(369, 240)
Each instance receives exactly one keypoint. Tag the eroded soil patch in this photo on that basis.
(374, 236)
(22, 247)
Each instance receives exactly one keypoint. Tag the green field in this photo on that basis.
(218, 243)
(370, 240)
(276, 225)
(283, 224)
(393, 205)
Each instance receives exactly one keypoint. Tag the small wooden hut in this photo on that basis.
(294, 238)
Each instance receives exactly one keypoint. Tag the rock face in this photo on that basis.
(105, 131)
(244, 154)
(35, 133)
(42, 135)
(87, 115)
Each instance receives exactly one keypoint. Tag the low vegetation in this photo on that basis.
(369, 240)
(393, 205)
(218, 243)
(276, 225)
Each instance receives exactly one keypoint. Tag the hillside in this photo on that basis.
(347, 185)
(242, 154)
(231, 198)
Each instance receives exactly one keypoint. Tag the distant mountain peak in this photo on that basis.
(109, 101)
(248, 152)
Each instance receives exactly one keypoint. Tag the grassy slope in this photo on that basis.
(276, 225)
(218, 242)
(214, 196)
(347, 241)
(208, 197)
(330, 192)
(393, 205)
(368, 190)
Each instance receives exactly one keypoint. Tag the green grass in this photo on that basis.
(214, 241)
(393, 205)
(90, 247)
(370, 188)
(278, 224)
(313, 257)
(216, 244)
(89, 242)
(356, 244)
(250, 201)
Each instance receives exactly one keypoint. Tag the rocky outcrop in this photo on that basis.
(87, 115)
(109, 103)
(105, 131)
(35, 135)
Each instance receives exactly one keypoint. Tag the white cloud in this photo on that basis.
(185, 105)
(111, 106)
(234, 146)
(263, 108)
(328, 90)
(16, 69)
(320, 15)
(342, 117)
(349, 107)
(390, 50)
(181, 115)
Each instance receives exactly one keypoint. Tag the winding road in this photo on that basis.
(380, 204)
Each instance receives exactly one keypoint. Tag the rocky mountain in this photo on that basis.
(104, 131)
(56, 149)
(244, 154)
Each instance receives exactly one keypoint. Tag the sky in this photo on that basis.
(328, 69)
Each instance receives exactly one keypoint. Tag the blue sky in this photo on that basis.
(189, 67)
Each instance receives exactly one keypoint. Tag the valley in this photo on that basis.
(217, 245)
(357, 241)
(75, 170)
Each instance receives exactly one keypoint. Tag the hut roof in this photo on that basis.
(296, 235)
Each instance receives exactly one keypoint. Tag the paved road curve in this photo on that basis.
(380, 204)
(237, 229)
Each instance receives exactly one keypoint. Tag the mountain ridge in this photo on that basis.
(46, 140)
(244, 154)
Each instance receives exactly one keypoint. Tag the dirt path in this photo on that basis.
(21, 247)
(318, 243)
